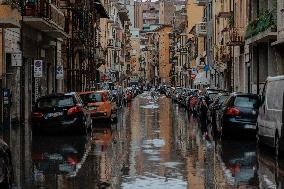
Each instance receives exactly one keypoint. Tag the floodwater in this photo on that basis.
(154, 145)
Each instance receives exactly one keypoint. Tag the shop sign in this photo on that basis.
(16, 59)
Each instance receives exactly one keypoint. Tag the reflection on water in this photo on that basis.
(151, 148)
(153, 161)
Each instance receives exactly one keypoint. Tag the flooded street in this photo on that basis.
(153, 145)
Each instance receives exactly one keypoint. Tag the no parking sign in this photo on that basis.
(37, 68)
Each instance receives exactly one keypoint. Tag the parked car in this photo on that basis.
(61, 112)
(184, 96)
(6, 168)
(238, 114)
(270, 119)
(210, 94)
(216, 105)
(100, 105)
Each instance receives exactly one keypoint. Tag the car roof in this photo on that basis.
(243, 94)
(276, 78)
(57, 95)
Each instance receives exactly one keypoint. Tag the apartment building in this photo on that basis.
(197, 33)
(262, 56)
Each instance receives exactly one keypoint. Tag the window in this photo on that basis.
(274, 95)
(64, 101)
(245, 101)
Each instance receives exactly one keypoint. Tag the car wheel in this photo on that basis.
(257, 137)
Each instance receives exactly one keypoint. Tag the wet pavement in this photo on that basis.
(153, 145)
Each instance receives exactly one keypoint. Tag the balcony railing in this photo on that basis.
(200, 2)
(266, 20)
(45, 9)
(235, 37)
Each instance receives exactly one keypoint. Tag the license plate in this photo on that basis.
(250, 126)
(55, 114)
(92, 108)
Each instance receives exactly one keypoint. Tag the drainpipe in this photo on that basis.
(55, 68)
(257, 69)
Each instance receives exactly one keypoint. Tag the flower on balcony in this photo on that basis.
(266, 20)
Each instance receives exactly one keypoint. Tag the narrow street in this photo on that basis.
(153, 145)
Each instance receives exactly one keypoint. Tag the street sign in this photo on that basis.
(206, 68)
(16, 59)
(194, 71)
(59, 72)
(38, 68)
(193, 76)
(183, 51)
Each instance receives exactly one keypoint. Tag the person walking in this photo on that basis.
(203, 114)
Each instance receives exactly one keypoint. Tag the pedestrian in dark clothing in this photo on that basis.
(203, 115)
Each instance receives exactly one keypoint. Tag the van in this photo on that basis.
(270, 118)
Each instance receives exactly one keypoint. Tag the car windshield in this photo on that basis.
(63, 101)
(92, 97)
(212, 95)
(178, 90)
(245, 101)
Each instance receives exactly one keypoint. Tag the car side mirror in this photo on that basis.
(261, 100)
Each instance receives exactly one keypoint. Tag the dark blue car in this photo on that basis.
(238, 114)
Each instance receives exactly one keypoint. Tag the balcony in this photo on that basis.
(263, 28)
(225, 54)
(201, 29)
(224, 14)
(46, 17)
(200, 2)
(235, 37)
(9, 16)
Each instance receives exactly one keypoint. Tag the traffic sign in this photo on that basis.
(206, 68)
(38, 68)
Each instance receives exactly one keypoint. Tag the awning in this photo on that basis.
(101, 9)
(279, 42)
(123, 15)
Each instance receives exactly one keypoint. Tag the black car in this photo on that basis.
(61, 113)
(238, 114)
(6, 169)
(210, 94)
(216, 105)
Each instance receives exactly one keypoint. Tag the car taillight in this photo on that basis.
(37, 115)
(74, 109)
(232, 112)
